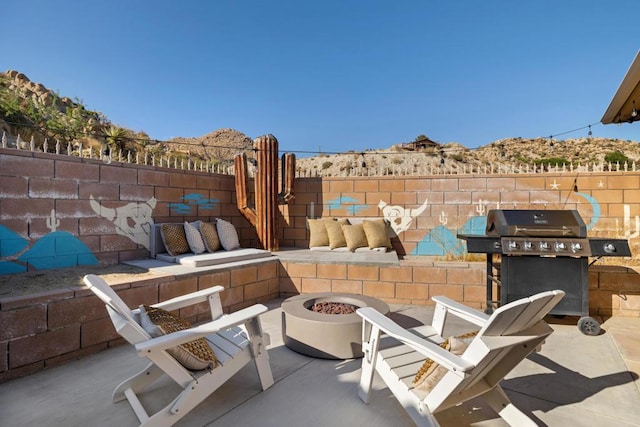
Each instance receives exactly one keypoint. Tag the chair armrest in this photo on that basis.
(176, 338)
(459, 310)
(429, 349)
(188, 299)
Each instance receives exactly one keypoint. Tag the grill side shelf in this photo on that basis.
(480, 243)
(609, 247)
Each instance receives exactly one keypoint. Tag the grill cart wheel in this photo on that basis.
(588, 325)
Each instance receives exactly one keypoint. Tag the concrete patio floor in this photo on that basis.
(575, 380)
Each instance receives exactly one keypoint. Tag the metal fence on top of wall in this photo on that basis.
(16, 142)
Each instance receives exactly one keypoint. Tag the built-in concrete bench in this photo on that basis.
(159, 252)
(304, 255)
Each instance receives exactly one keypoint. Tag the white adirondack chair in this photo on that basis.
(504, 340)
(236, 339)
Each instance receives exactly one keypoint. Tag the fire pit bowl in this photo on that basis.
(321, 335)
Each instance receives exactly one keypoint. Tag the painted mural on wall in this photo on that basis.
(57, 249)
(61, 249)
(191, 201)
(399, 217)
(442, 240)
(346, 203)
(132, 220)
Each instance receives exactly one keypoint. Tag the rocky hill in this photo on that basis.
(33, 111)
(504, 153)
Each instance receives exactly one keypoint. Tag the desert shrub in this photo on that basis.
(327, 165)
(616, 157)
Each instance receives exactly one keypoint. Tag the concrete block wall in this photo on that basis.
(44, 193)
(412, 282)
(609, 203)
(613, 290)
(44, 330)
(40, 192)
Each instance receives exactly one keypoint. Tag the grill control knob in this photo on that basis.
(544, 246)
(528, 246)
(561, 246)
(513, 245)
(576, 247)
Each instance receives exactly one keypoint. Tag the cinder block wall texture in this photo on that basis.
(105, 205)
(108, 207)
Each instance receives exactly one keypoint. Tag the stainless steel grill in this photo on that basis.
(541, 250)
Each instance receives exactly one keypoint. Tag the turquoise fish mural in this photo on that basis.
(349, 204)
(189, 201)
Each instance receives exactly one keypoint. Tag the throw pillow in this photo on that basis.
(318, 233)
(227, 234)
(194, 238)
(210, 236)
(377, 233)
(174, 238)
(195, 355)
(334, 230)
(431, 372)
(354, 236)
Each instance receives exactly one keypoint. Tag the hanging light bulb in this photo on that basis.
(634, 112)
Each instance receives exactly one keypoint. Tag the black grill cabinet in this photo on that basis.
(541, 250)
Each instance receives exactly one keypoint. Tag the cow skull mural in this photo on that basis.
(132, 220)
(399, 217)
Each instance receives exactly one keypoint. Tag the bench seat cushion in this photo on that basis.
(214, 258)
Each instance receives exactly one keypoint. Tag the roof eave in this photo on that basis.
(622, 105)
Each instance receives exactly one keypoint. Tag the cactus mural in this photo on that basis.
(264, 216)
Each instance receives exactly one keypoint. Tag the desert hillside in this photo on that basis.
(34, 112)
(505, 153)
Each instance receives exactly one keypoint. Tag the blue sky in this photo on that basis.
(333, 76)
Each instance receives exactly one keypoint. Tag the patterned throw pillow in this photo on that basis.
(431, 372)
(334, 230)
(194, 238)
(175, 239)
(377, 233)
(354, 236)
(195, 355)
(210, 236)
(317, 233)
(227, 234)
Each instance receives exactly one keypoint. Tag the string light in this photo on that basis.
(156, 141)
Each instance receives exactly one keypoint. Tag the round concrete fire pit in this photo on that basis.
(327, 336)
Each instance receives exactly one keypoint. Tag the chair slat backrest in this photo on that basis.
(522, 314)
(510, 334)
(121, 315)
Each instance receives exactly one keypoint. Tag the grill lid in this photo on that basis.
(540, 223)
